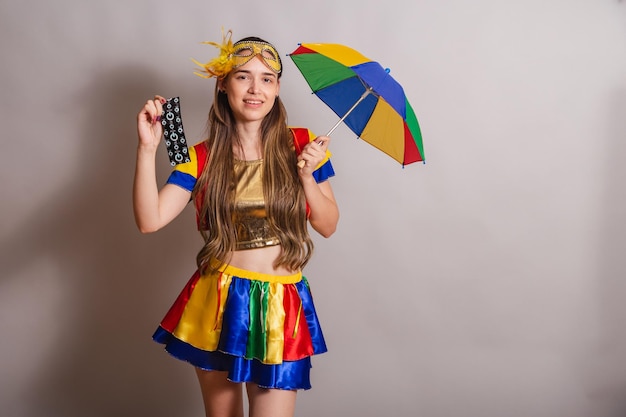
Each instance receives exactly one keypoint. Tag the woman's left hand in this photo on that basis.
(312, 155)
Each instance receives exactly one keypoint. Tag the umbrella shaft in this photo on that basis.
(365, 94)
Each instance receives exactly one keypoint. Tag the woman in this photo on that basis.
(246, 315)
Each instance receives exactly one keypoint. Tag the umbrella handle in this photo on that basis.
(367, 92)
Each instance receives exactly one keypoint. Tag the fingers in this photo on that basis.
(319, 146)
(158, 105)
(313, 153)
(149, 128)
(153, 109)
(322, 141)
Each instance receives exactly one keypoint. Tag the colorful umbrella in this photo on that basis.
(365, 96)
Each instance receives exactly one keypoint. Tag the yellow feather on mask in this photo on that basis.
(221, 65)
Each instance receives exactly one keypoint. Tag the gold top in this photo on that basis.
(249, 214)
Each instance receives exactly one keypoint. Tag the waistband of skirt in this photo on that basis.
(259, 276)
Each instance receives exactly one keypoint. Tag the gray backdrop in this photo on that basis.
(487, 282)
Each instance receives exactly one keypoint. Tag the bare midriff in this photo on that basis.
(259, 260)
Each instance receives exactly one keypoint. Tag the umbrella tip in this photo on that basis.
(387, 70)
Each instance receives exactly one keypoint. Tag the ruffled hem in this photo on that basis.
(289, 375)
(260, 328)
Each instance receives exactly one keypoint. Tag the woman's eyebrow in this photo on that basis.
(266, 73)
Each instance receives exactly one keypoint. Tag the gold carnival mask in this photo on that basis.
(246, 50)
(233, 56)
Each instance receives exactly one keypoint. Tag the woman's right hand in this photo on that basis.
(149, 128)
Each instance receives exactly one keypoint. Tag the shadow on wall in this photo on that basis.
(104, 362)
(609, 365)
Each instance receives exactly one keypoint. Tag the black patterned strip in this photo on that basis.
(175, 141)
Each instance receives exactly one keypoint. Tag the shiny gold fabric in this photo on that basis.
(249, 214)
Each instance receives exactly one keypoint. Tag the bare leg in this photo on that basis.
(222, 398)
(271, 402)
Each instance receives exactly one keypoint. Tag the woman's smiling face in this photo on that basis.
(251, 89)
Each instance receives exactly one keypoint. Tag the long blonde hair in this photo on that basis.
(284, 196)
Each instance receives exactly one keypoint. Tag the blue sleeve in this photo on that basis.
(182, 179)
(324, 172)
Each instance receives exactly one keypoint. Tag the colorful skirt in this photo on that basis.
(259, 328)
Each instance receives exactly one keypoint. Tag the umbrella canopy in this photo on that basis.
(366, 97)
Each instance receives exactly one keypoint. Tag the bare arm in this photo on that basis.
(324, 211)
(153, 208)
